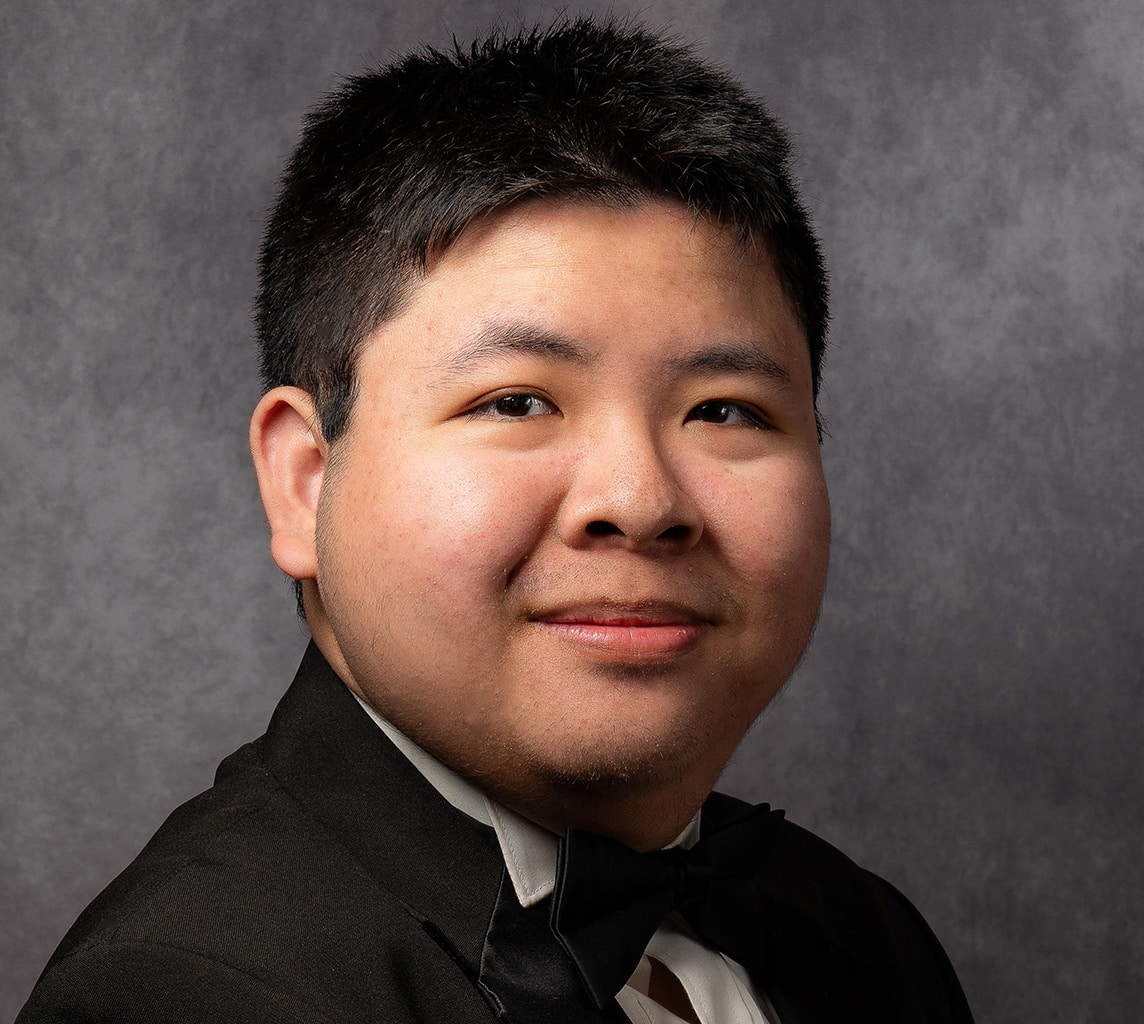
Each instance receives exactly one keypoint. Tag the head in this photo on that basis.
(541, 326)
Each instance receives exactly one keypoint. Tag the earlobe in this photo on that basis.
(290, 461)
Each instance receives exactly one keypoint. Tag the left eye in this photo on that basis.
(721, 410)
(515, 406)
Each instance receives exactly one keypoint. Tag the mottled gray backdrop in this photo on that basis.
(968, 720)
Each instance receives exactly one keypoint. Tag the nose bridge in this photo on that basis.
(625, 486)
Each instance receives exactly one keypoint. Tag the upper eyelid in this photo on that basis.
(510, 392)
(751, 411)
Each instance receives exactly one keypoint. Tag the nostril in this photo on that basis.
(602, 528)
(678, 532)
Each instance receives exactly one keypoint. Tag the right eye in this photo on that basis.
(514, 405)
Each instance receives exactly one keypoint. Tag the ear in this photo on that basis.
(290, 462)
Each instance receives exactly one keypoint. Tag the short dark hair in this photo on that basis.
(398, 160)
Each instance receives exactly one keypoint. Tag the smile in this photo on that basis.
(635, 634)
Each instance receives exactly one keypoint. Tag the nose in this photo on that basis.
(624, 492)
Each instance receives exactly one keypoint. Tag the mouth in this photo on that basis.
(635, 632)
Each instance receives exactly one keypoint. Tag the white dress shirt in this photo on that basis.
(718, 988)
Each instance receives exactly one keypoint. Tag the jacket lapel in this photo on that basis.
(445, 868)
(442, 866)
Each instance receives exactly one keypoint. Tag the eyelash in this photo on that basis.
(751, 416)
(489, 408)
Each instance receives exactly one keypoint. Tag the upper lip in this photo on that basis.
(609, 612)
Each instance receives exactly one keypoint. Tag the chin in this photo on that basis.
(616, 763)
(640, 795)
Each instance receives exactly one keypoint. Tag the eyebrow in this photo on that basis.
(500, 339)
(733, 357)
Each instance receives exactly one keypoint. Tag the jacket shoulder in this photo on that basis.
(243, 907)
(874, 923)
(839, 925)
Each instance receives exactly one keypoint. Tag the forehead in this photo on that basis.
(651, 279)
(640, 236)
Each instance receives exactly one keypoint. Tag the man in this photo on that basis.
(541, 326)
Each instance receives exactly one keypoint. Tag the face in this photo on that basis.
(575, 536)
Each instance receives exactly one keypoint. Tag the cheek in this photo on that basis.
(777, 532)
(465, 518)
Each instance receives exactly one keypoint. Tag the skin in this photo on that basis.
(575, 536)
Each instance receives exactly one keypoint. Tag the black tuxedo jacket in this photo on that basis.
(322, 879)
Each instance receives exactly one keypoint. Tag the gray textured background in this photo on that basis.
(968, 720)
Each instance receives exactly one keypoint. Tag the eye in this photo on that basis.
(735, 414)
(514, 405)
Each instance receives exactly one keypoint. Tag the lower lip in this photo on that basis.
(628, 641)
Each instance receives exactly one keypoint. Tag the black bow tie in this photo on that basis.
(609, 899)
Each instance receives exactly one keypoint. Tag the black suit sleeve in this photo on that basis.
(140, 983)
